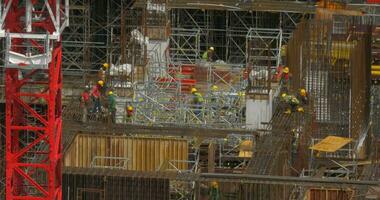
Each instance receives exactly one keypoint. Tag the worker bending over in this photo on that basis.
(208, 55)
(292, 103)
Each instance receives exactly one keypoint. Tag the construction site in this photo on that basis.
(189, 100)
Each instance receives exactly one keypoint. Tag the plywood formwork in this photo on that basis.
(139, 153)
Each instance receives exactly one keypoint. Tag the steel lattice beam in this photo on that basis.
(33, 97)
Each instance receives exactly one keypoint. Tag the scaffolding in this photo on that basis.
(185, 45)
(323, 57)
(263, 57)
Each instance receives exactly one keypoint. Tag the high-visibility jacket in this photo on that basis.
(197, 98)
(205, 55)
(292, 100)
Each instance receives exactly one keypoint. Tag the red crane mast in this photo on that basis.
(32, 31)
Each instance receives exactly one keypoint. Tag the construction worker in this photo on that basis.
(208, 55)
(214, 193)
(302, 95)
(292, 103)
(214, 93)
(95, 95)
(85, 103)
(102, 71)
(197, 101)
(112, 106)
(129, 113)
(284, 76)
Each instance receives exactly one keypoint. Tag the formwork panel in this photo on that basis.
(329, 194)
(100, 187)
(139, 153)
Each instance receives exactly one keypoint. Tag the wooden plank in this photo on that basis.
(211, 158)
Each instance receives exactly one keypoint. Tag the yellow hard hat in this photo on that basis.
(285, 70)
(193, 90)
(303, 92)
(214, 88)
(129, 108)
(300, 109)
(110, 93)
(101, 83)
(212, 48)
(284, 95)
(214, 184)
(106, 65)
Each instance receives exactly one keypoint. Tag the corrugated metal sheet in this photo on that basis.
(143, 153)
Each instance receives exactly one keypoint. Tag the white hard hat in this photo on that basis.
(212, 48)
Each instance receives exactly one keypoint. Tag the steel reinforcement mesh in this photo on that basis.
(330, 57)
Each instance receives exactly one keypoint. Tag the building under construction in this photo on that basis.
(189, 99)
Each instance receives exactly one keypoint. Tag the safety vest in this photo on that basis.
(198, 97)
(205, 55)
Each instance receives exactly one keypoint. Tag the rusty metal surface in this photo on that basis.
(103, 187)
(130, 129)
(330, 58)
(229, 178)
(257, 5)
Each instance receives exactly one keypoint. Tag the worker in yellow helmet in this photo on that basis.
(291, 102)
(129, 113)
(214, 91)
(284, 80)
(214, 97)
(112, 106)
(303, 96)
(214, 192)
(95, 95)
(102, 71)
(197, 101)
(208, 55)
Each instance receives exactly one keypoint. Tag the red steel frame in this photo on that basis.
(40, 179)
